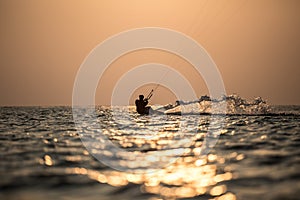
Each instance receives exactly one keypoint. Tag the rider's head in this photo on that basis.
(141, 97)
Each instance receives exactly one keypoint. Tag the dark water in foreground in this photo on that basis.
(42, 156)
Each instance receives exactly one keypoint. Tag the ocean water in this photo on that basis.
(254, 155)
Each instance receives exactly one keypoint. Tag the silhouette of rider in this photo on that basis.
(141, 105)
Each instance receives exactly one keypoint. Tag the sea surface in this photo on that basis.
(121, 155)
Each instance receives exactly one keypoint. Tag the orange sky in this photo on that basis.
(255, 45)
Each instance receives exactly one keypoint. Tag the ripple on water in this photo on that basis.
(41, 153)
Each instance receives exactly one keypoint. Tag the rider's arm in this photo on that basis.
(145, 102)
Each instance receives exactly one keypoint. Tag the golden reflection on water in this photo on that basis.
(47, 160)
(187, 177)
(190, 175)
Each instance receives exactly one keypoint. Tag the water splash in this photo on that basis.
(234, 104)
(238, 105)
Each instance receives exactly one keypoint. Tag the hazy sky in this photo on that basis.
(255, 44)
